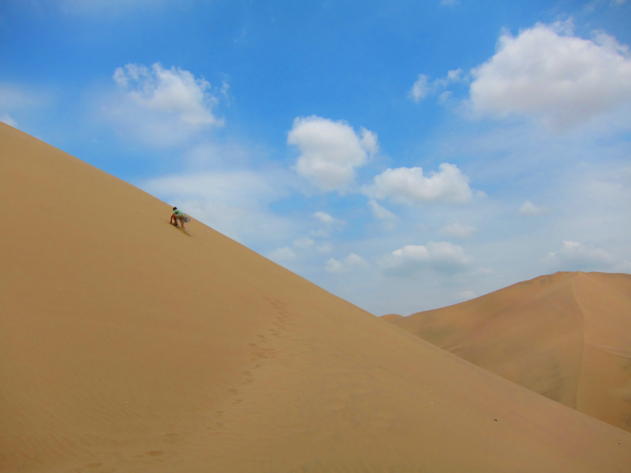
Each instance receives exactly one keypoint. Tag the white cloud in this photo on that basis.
(409, 185)
(457, 230)
(423, 87)
(350, 263)
(440, 256)
(482, 271)
(330, 151)
(529, 209)
(304, 243)
(381, 212)
(6, 118)
(546, 72)
(282, 255)
(161, 106)
(574, 256)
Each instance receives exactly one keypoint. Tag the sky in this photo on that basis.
(404, 155)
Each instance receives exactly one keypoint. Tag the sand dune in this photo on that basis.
(128, 346)
(566, 336)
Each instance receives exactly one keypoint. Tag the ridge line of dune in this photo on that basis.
(582, 364)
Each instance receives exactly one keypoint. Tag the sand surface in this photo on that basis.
(129, 346)
(566, 336)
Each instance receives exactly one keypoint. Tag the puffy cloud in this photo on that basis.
(458, 231)
(163, 106)
(381, 212)
(304, 243)
(574, 256)
(410, 185)
(351, 262)
(330, 151)
(529, 209)
(282, 255)
(439, 256)
(6, 118)
(548, 73)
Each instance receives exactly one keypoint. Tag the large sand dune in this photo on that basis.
(566, 336)
(128, 346)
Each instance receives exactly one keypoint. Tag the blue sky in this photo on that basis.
(404, 155)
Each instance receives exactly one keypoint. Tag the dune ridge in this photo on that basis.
(565, 336)
(129, 346)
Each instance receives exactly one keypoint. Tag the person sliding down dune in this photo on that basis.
(178, 216)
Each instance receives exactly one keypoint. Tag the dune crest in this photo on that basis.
(566, 336)
(128, 346)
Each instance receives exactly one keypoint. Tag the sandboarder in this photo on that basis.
(178, 216)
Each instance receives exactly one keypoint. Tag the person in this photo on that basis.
(178, 216)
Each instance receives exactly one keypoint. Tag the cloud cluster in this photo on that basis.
(330, 152)
(163, 106)
(439, 256)
(548, 73)
(410, 185)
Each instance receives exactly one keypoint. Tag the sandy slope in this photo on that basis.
(128, 346)
(566, 336)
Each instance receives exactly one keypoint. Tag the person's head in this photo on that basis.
(174, 208)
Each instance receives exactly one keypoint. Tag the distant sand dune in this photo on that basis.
(127, 346)
(566, 336)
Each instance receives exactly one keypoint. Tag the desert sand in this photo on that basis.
(129, 346)
(566, 336)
